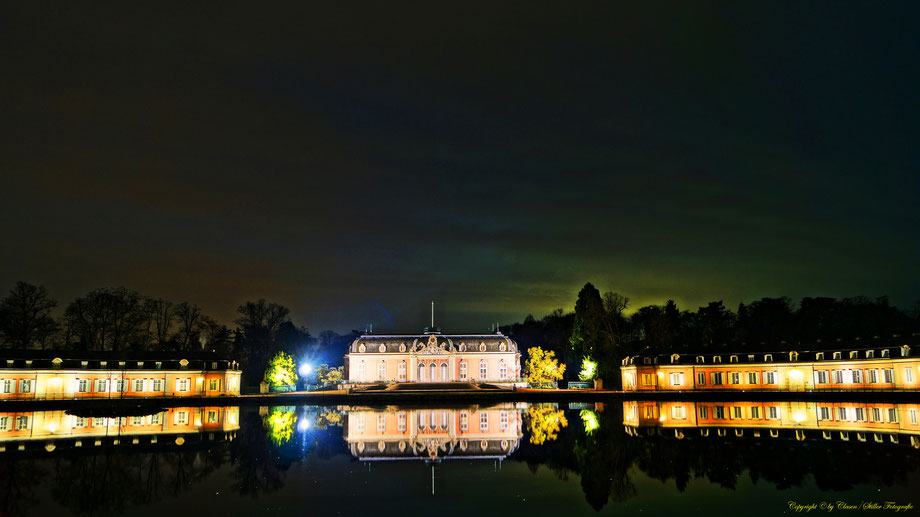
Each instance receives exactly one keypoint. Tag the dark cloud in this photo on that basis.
(359, 161)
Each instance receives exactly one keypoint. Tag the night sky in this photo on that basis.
(354, 163)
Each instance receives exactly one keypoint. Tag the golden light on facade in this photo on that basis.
(799, 416)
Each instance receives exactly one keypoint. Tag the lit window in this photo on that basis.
(25, 386)
(99, 422)
(462, 370)
(483, 421)
(677, 379)
(502, 370)
(483, 369)
(214, 384)
(824, 413)
(401, 421)
(752, 377)
(381, 371)
(838, 376)
(735, 378)
(913, 417)
(893, 415)
(876, 414)
(77, 422)
(360, 422)
(769, 377)
(138, 384)
(821, 377)
(212, 417)
(82, 385)
(503, 420)
(421, 372)
(908, 375)
(121, 385)
(361, 371)
(22, 422)
(464, 421)
(401, 370)
(102, 385)
(773, 412)
(433, 371)
(857, 376)
(736, 412)
(841, 413)
(137, 420)
(182, 385)
(157, 384)
(444, 375)
(860, 414)
(381, 423)
(716, 378)
(155, 419)
(700, 379)
(889, 375)
(678, 412)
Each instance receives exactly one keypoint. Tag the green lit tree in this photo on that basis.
(282, 371)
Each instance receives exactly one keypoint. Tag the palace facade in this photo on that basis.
(887, 368)
(33, 374)
(433, 434)
(434, 357)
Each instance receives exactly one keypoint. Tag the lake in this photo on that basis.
(512, 458)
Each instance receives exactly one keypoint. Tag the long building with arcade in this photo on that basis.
(37, 374)
(864, 369)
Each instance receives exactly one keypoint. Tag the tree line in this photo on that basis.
(603, 329)
(120, 319)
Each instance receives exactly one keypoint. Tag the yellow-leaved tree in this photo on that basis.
(542, 366)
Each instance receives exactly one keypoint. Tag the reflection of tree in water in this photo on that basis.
(107, 482)
(255, 471)
(17, 486)
(544, 421)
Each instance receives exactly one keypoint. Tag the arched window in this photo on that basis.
(402, 371)
(360, 371)
(421, 372)
(462, 370)
(502, 370)
(422, 420)
(444, 375)
(483, 369)
(444, 420)
(433, 368)
(381, 371)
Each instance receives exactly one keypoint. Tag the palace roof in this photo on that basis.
(432, 342)
(789, 356)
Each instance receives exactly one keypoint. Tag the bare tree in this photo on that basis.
(25, 316)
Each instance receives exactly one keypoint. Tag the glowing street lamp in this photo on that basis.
(305, 369)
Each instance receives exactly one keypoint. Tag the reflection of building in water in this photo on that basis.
(60, 429)
(433, 434)
(861, 369)
(844, 420)
(434, 357)
(51, 374)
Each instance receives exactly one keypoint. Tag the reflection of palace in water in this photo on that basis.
(857, 421)
(433, 434)
(28, 430)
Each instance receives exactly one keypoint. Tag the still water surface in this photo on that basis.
(515, 458)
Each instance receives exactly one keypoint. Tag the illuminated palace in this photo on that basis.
(433, 434)
(833, 420)
(434, 357)
(889, 368)
(26, 430)
(52, 374)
